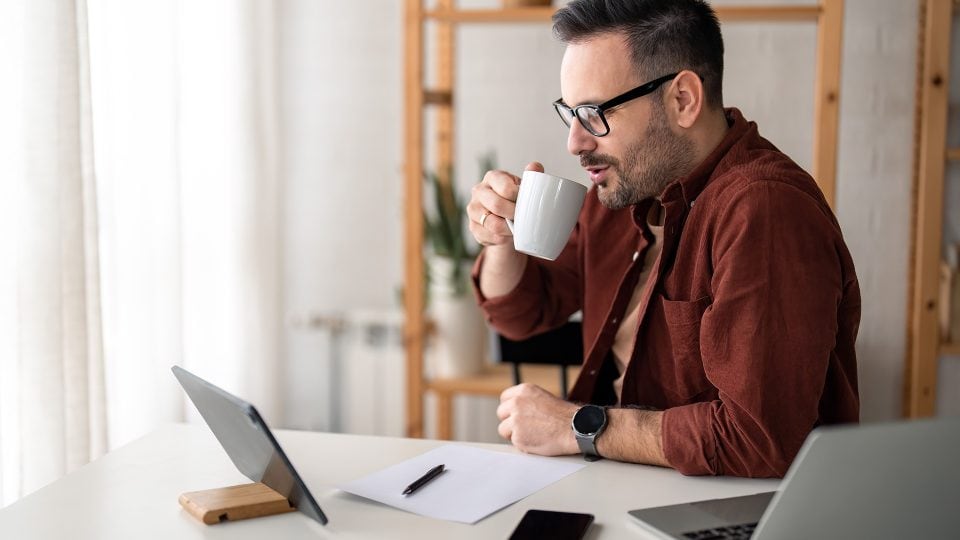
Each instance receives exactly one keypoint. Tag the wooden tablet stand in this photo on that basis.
(233, 503)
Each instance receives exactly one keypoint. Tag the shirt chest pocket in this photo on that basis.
(682, 320)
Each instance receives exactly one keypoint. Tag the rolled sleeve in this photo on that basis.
(516, 314)
(546, 295)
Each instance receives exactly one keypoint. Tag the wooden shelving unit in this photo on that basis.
(933, 88)
(950, 349)
(809, 13)
(439, 93)
(490, 382)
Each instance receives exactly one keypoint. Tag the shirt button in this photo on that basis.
(613, 320)
(593, 372)
(635, 255)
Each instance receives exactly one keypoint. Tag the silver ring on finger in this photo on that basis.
(483, 218)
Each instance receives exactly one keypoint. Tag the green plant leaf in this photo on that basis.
(445, 221)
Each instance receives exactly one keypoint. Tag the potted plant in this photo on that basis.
(456, 347)
(451, 252)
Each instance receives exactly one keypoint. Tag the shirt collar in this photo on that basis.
(689, 187)
(686, 189)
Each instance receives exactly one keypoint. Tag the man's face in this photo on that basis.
(641, 154)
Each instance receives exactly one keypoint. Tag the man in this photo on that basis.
(720, 303)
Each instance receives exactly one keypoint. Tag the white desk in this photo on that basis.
(132, 493)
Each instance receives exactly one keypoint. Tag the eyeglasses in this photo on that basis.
(591, 116)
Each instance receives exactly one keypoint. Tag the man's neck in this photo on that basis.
(712, 132)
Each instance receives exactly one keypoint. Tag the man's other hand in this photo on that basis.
(536, 421)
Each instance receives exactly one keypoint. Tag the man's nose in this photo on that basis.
(579, 140)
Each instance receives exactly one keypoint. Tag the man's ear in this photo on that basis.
(685, 98)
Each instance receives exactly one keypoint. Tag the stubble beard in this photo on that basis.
(648, 166)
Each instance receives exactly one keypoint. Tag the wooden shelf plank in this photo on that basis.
(414, 323)
(496, 378)
(768, 13)
(438, 97)
(520, 15)
(950, 349)
(932, 101)
(493, 380)
(826, 100)
(542, 14)
(953, 154)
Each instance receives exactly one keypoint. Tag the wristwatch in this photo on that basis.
(588, 423)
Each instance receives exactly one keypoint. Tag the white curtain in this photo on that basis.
(51, 370)
(174, 247)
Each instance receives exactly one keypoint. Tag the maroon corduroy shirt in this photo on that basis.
(746, 341)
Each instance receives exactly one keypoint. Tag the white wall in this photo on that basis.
(874, 187)
(341, 112)
(341, 89)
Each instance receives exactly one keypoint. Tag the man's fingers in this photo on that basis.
(534, 166)
(498, 227)
(479, 214)
(511, 392)
(487, 234)
(485, 206)
(527, 389)
(504, 409)
(504, 184)
(495, 201)
(505, 429)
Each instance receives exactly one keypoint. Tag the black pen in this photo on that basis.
(423, 480)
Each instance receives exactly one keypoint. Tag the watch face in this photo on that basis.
(589, 419)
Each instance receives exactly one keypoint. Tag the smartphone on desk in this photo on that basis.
(542, 524)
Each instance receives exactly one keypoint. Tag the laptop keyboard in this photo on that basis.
(732, 532)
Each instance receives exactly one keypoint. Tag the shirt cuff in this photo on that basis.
(688, 438)
(512, 314)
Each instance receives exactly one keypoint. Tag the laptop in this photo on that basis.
(248, 441)
(893, 480)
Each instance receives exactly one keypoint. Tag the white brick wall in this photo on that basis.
(874, 184)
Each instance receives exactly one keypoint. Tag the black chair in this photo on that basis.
(561, 347)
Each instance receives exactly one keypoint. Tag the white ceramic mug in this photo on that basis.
(547, 210)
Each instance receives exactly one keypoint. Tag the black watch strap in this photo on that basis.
(588, 447)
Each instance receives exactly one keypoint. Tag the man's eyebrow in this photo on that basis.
(585, 102)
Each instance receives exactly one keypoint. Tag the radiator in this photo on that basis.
(364, 370)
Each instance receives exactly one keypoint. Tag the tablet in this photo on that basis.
(248, 441)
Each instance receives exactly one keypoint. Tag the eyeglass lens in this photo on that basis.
(589, 118)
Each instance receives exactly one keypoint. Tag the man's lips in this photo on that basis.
(598, 173)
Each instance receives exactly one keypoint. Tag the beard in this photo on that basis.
(648, 166)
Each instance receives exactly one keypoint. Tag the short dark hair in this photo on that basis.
(665, 36)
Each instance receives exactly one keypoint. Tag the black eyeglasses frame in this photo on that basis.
(629, 95)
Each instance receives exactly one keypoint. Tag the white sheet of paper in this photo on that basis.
(475, 484)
